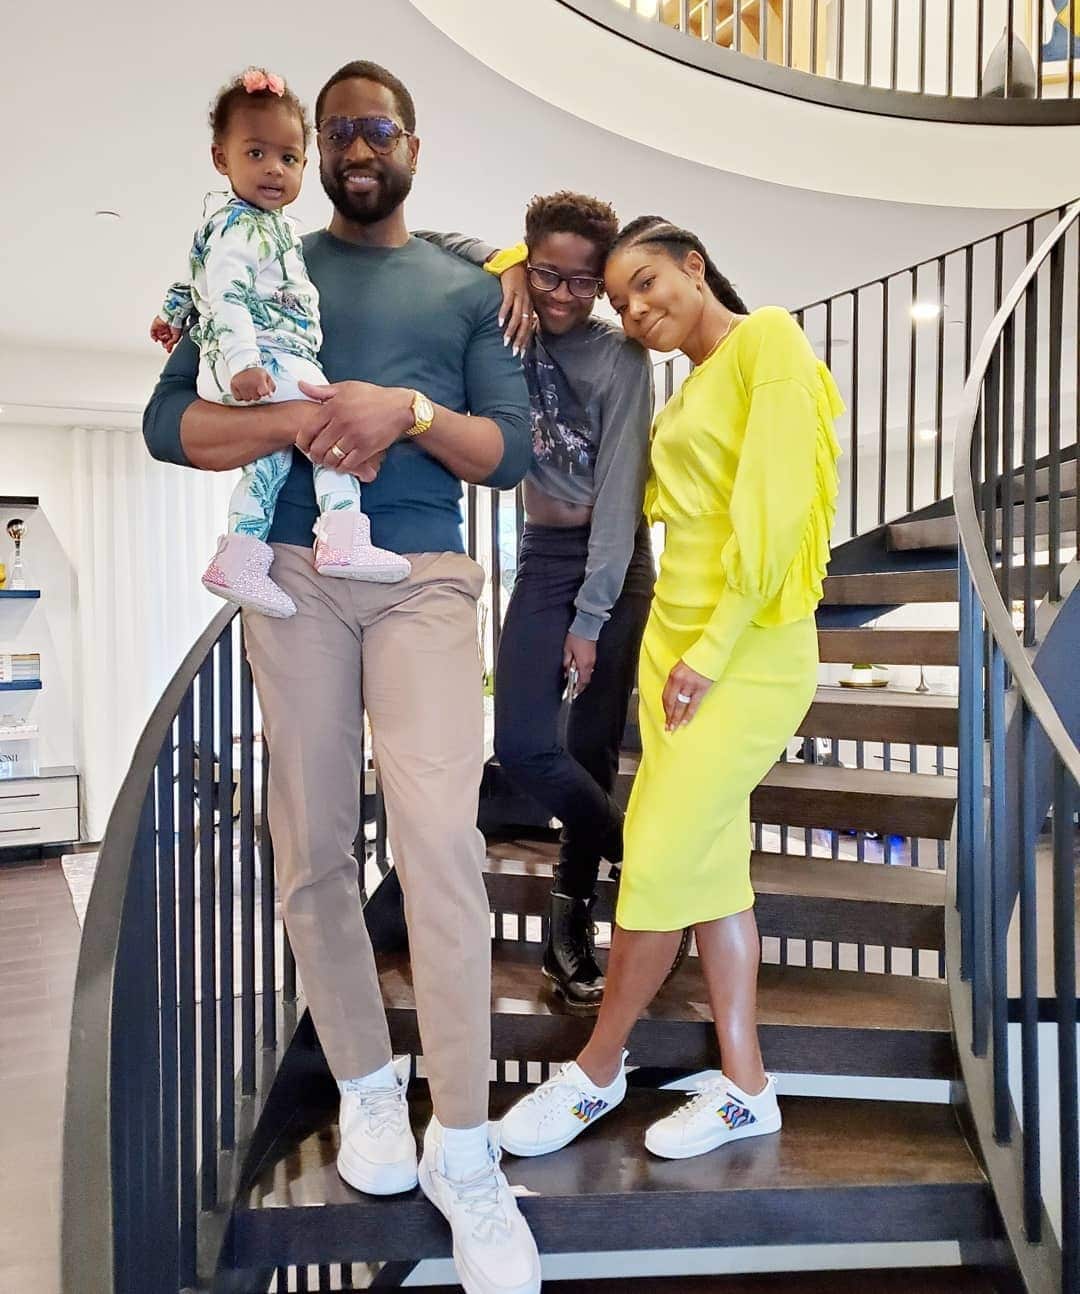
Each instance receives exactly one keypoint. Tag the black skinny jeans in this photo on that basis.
(572, 773)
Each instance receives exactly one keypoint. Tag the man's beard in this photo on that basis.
(367, 208)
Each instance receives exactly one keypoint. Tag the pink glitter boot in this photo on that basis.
(343, 549)
(238, 572)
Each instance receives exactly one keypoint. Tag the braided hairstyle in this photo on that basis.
(660, 232)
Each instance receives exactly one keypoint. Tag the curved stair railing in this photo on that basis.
(1012, 926)
(989, 62)
(186, 993)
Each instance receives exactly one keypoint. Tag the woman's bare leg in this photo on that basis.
(637, 966)
(730, 953)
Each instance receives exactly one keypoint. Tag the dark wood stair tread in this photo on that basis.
(811, 1020)
(795, 794)
(888, 646)
(840, 1171)
(903, 1280)
(882, 714)
(941, 532)
(818, 898)
(890, 588)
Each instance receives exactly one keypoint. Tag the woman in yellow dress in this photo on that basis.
(744, 480)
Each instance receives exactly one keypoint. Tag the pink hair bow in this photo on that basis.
(255, 79)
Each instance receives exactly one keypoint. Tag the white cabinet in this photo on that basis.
(42, 810)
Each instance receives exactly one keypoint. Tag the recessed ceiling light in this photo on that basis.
(925, 310)
(105, 214)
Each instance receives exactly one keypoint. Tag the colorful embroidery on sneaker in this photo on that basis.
(735, 1115)
(586, 1110)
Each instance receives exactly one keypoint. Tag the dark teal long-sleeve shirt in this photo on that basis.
(412, 316)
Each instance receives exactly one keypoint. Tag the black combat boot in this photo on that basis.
(570, 954)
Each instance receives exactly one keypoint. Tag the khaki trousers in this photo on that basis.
(416, 643)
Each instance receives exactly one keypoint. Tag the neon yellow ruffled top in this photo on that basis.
(744, 477)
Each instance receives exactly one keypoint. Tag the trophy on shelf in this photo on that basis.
(16, 528)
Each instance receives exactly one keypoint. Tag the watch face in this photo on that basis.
(425, 409)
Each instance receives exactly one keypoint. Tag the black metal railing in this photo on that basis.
(186, 993)
(990, 60)
(1014, 929)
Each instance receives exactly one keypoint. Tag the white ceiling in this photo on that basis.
(106, 109)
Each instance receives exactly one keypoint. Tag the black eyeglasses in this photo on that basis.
(381, 134)
(582, 286)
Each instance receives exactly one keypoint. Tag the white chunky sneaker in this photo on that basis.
(719, 1113)
(378, 1149)
(554, 1113)
(494, 1250)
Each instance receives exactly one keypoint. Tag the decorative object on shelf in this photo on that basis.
(1024, 80)
(18, 747)
(3, 575)
(866, 676)
(16, 529)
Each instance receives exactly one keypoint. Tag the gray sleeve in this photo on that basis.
(469, 249)
(174, 392)
(622, 465)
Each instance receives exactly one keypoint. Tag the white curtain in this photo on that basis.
(143, 532)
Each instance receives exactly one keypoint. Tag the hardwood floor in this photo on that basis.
(39, 945)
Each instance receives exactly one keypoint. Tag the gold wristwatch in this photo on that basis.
(423, 412)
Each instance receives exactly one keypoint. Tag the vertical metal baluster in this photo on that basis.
(787, 32)
(763, 28)
(950, 45)
(980, 23)
(991, 449)
(969, 308)
(470, 521)
(860, 836)
(227, 1067)
(186, 961)
(669, 380)
(1009, 22)
(247, 877)
(207, 939)
(813, 36)
(980, 1005)
(922, 46)
(1000, 898)
(854, 411)
(1039, 63)
(1072, 61)
(1057, 293)
(868, 54)
(965, 740)
(684, 15)
(1027, 832)
(301, 1280)
(841, 40)
(1004, 490)
(894, 53)
(913, 767)
(496, 578)
(166, 871)
(883, 430)
(149, 1086)
(886, 837)
(519, 520)
(1065, 992)
(266, 910)
(912, 391)
(939, 382)
(1031, 396)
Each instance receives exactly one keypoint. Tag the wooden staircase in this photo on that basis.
(854, 1170)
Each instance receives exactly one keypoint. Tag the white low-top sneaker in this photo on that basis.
(378, 1149)
(557, 1111)
(494, 1250)
(720, 1112)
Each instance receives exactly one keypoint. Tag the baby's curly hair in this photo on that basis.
(572, 213)
(237, 92)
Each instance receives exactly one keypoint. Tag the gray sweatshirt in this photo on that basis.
(591, 405)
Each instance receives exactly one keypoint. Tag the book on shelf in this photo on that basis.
(20, 667)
